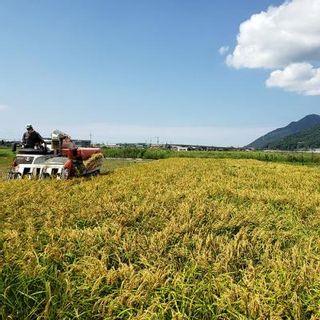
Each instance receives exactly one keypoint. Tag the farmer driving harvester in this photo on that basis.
(31, 138)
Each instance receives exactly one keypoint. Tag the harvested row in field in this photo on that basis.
(176, 238)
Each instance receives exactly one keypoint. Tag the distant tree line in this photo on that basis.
(152, 153)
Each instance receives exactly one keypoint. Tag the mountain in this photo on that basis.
(276, 137)
(306, 139)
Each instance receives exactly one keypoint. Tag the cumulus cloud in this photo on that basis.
(282, 35)
(297, 77)
(286, 37)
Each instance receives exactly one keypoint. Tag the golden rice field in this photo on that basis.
(169, 239)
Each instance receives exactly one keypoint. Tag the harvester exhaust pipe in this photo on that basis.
(14, 147)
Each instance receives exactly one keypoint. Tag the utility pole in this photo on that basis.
(157, 139)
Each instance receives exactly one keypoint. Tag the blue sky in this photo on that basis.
(128, 71)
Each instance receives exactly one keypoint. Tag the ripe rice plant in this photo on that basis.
(168, 239)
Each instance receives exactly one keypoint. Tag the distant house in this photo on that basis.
(180, 148)
(112, 145)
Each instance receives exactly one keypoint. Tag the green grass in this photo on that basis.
(6, 158)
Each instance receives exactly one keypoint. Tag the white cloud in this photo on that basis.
(298, 77)
(282, 35)
(285, 37)
(223, 50)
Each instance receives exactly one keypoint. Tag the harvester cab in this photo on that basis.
(60, 158)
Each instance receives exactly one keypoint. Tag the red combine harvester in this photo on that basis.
(60, 159)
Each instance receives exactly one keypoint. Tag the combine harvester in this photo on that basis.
(59, 159)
